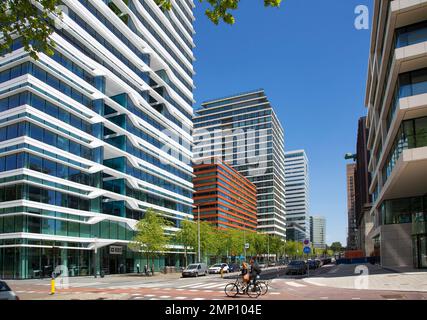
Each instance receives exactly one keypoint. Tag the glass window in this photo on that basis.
(34, 193)
(36, 132)
(12, 131)
(2, 164)
(11, 162)
(62, 143)
(49, 167)
(49, 138)
(421, 132)
(3, 134)
(35, 163)
(51, 110)
(62, 171)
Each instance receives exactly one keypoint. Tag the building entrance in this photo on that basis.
(420, 251)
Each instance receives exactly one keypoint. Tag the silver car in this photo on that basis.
(195, 270)
(6, 293)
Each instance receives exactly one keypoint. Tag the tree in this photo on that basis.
(219, 9)
(33, 24)
(277, 245)
(336, 247)
(150, 236)
(21, 18)
(187, 237)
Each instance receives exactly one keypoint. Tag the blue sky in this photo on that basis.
(312, 63)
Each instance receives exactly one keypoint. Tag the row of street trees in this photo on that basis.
(152, 240)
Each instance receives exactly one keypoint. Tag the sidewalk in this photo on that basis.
(373, 277)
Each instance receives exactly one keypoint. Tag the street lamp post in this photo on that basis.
(198, 233)
(244, 243)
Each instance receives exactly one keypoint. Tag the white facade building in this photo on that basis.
(318, 231)
(396, 100)
(94, 135)
(297, 195)
(244, 131)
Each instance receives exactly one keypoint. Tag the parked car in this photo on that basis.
(195, 270)
(216, 268)
(296, 267)
(263, 265)
(312, 264)
(318, 263)
(233, 267)
(6, 293)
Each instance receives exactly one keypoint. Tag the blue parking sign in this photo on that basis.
(307, 250)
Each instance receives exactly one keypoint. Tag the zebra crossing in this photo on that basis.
(193, 287)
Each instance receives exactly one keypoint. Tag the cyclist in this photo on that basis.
(254, 272)
(245, 272)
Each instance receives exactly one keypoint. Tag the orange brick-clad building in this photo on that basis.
(226, 198)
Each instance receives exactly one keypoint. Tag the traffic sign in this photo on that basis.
(246, 245)
(307, 250)
(306, 243)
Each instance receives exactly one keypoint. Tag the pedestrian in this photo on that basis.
(146, 270)
(152, 269)
(137, 268)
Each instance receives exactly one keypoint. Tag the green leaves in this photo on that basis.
(22, 19)
(219, 9)
(150, 236)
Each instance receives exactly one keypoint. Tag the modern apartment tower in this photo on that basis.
(351, 203)
(93, 136)
(297, 195)
(224, 197)
(244, 131)
(364, 224)
(318, 231)
(396, 100)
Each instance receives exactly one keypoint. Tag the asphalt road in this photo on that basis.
(211, 287)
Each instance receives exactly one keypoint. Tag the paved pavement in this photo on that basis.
(172, 287)
(373, 277)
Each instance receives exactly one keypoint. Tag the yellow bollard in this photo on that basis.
(52, 286)
(222, 272)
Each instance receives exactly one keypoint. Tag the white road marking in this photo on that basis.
(207, 285)
(216, 286)
(355, 298)
(199, 299)
(294, 284)
(192, 285)
(275, 293)
(164, 297)
(194, 290)
(149, 295)
(180, 298)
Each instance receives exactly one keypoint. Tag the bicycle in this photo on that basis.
(264, 286)
(232, 289)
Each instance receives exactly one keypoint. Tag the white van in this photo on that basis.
(195, 270)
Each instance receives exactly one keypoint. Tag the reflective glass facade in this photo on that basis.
(244, 131)
(92, 136)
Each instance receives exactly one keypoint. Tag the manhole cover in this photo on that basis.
(393, 296)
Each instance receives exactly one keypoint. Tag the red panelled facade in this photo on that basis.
(226, 198)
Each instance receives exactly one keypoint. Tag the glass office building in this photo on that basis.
(93, 135)
(244, 131)
(396, 100)
(297, 195)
